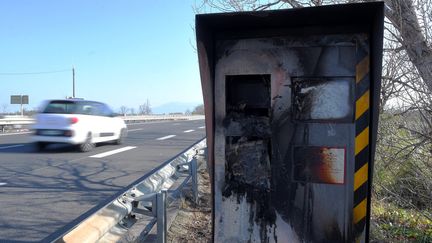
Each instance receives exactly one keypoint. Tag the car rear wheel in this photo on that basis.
(87, 145)
(39, 146)
(120, 139)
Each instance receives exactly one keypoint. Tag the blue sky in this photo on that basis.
(124, 52)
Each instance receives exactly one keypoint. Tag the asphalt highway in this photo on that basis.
(41, 192)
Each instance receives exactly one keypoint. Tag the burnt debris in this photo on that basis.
(248, 147)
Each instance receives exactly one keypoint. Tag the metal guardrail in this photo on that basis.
(18, 120)
(134, 119)
(14, 121)
(146, 196)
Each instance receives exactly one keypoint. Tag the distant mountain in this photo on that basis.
(174, 107)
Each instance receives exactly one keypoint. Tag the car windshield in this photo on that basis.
(68, 107)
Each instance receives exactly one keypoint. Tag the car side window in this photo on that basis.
(60, 107)
(87, 109)
(107, 111)
(97, 109)
(100, 109)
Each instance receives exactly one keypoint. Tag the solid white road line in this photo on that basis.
(12, 146)
(201, 127)
(188, 131)
(166, 137)
(115, 151)
(132, 130)
(15, 133)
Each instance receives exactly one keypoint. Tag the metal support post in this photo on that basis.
(73, 82)
(161, 216)
(194, 172)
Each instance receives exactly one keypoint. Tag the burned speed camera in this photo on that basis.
(291, 102)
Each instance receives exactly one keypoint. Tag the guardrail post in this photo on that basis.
(194, 172)
(161, 216)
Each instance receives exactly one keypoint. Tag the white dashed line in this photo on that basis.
(3, 183)
(132, 130)
(201, 127)
(112, 152)
(188, 131)
(15, 133)
(12, 146)
(166, 137)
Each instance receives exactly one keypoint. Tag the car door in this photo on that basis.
(108, 127)
(114, 122)
(91, 123)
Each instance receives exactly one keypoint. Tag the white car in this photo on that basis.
(78, 122)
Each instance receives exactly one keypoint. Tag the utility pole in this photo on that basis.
(73, 82)
(22, 110)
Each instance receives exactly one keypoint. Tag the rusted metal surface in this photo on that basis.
(282, 106)
(319, 164)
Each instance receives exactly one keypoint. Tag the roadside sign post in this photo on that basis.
(291, 100)
(21, 100)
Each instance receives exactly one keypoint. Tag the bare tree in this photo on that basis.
(30, 111)
(145, 109)
(124, 110)
(413, 21)
(198, 110)
(4, 108)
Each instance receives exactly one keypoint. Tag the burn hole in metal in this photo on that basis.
(248, 94)
(248, 146)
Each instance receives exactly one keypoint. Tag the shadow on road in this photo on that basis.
(50, 149)
(36, 203)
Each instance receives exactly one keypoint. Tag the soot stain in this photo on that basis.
(247, 176)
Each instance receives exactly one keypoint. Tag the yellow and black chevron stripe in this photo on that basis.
(362, 121)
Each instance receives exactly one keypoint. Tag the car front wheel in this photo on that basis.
(122, 135)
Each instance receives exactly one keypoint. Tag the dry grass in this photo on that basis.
(193, 221)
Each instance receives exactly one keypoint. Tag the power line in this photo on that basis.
(36, 73)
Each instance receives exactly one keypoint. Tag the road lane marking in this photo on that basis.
(188, 131)
(12, 146)
(3, 183)
(132, 130)
(201, 127)
(166, 137)
(176, 124)
(115, 151)
(15, 133)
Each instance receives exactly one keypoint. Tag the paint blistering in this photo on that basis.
(319, 164)
(322, 99)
